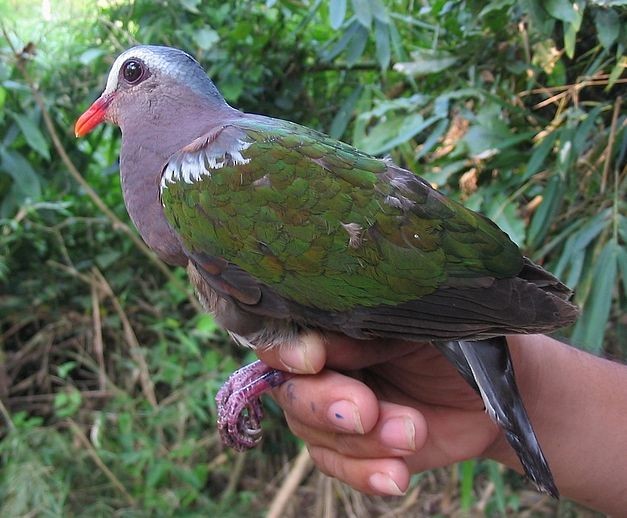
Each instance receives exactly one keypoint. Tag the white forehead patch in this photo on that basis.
(155, 58)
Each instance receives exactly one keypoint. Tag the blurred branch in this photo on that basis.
(117, 223)
(302, 465)
(131, 339)
(78, 433)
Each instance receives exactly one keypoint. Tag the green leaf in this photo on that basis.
(356, 46)
(24, 176)
(433, 138)
(344, 114)
(379, 11)
(337, 13)
(382, 41)
(504, 213)
(426, 62)
(190, 5)
(33, 135)
(467, 480)
(543, 217)
(91, 55)
(539, 155)
(341, 44)
(563, 10)
(616, 72)
(206, 38)
(393, 131)
(607, 23)
(363, 12)
(65, 368)
(570, 35)
(622, 264)
(590, 328)
(494, 470)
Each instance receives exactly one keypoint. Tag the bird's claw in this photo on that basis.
(239, 405)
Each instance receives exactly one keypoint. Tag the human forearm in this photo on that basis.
(578, 406)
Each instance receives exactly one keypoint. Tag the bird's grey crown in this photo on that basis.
(175, 63)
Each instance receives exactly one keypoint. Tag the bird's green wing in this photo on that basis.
(322, 223)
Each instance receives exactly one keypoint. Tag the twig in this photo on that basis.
(408, 501)
(6, 415)
(235, 477)
(78, 433)
(330, 509)
(131, 339)
(116, 222)
(98, 344)
(610, 143)
(302, 465)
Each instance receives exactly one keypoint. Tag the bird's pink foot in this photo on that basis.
(239, 406)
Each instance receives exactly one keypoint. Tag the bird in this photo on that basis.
(284, 230)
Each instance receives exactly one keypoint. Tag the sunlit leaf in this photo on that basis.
(363, 12)
(206, 38)
(426, 62)
(91, 55)
(337, 13)
(564, 10)
(379, 11)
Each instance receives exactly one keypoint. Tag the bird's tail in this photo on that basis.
(487, 366)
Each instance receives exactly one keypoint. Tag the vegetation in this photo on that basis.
(107, 367)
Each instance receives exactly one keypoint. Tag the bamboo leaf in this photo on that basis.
(499, 486)
(363, 12)
(337, 13)
(426, 62)
(344, 114)
(590, 328)
(539, 155)
(356, 45)
(382, 41)
(543, 217)
(467, 479)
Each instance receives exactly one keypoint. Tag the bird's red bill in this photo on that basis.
(94, 115)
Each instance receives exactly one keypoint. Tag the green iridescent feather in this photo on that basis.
(328, 226)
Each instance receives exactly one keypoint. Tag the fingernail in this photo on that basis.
(399, 433)
(345, 415)
(295, 358)
(383, 483)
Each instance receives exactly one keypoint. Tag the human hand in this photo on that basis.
(377, 411)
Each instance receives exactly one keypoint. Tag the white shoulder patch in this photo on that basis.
(195, 161)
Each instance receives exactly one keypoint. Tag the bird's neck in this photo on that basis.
(147, 145)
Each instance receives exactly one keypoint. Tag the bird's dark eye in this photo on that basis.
(132, 71)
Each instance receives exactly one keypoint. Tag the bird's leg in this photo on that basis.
(239, 405)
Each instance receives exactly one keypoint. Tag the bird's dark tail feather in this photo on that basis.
(487, 366)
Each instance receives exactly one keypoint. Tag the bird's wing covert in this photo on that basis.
(322, 223)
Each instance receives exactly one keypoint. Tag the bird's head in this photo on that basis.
(144, 78)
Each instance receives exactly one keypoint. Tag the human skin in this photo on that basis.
(373, 413)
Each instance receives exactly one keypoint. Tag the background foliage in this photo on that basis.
(107, 376)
